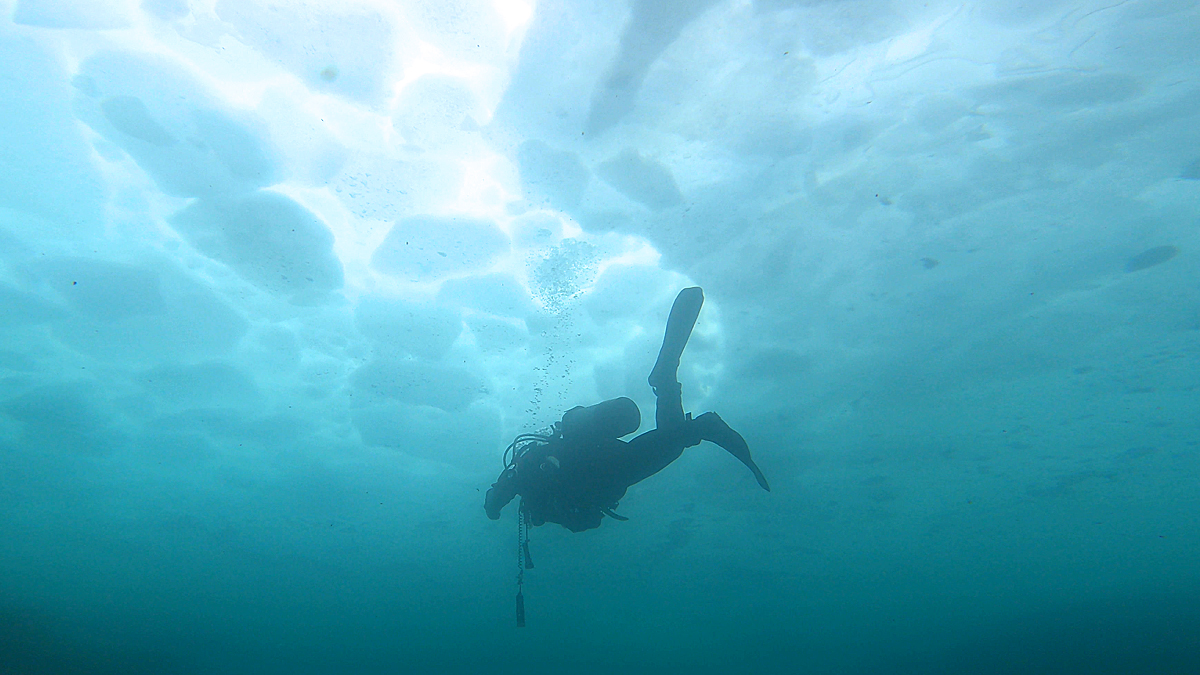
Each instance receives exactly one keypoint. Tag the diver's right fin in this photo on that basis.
(710, 427)
(680, 323)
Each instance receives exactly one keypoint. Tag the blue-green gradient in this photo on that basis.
(280, 280)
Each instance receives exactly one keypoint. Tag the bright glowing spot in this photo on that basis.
(483, 194)
(516, 13)
(916, 43)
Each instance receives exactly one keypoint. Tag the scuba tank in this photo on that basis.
(613, 418)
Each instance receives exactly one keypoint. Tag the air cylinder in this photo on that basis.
(613, 418)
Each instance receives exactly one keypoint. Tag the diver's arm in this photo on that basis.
(501, 493)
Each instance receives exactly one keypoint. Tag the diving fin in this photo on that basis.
(680, 323)
(614, 515)
(710, 427)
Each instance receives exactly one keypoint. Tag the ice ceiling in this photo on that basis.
(258, 259)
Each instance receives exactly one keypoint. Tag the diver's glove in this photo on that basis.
(500, 494)
(492, 505)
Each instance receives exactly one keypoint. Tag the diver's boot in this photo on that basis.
(710, 427)
(679, 329)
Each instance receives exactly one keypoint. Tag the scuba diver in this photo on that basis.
(576, 474)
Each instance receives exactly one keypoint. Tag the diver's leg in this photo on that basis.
(664, 378)
(647, 454)
(652, 451)
(668, 406)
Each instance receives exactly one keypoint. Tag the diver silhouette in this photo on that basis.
(576, 474)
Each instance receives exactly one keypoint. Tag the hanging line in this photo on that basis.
(523, 560)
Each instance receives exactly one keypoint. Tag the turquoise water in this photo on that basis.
(280, 281)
